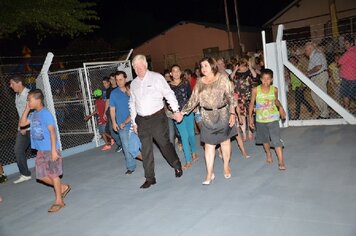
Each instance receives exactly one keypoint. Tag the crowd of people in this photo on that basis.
(219, 101)
(334, 74)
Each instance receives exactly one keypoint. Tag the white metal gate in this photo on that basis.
(276, 59)
(93, 75)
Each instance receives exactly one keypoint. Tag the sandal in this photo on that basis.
(186, 166)
(56, 208)
(195, 157)
(64, 194)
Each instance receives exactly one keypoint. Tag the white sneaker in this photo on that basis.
(22, 179)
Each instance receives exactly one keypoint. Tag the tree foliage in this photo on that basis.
(46, 17)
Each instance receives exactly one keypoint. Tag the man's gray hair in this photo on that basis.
(310, 44)
(139, 57)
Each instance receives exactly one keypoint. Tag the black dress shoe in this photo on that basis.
(129, 172)
(148, 183)
(178, 172)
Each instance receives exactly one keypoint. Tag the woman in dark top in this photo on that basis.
(182, 91)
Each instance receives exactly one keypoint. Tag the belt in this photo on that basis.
(214, 109)
(318, 73)
(154, 114)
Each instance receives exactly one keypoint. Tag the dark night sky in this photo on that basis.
(138, 20)
(125, 24)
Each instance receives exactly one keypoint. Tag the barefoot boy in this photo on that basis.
(268, 112)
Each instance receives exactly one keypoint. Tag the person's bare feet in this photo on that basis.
(282, 166)
(269, 159)
(245, 155)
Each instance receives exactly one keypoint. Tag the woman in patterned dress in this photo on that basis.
(215, 95)
(245, 78)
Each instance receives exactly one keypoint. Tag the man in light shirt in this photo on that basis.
(149, 120)
(23, 134)
(318, 73)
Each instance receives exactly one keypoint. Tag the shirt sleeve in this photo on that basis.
(29, 117)
(229, 92)
(48, 117)
(343, 59)
(108, 93)
(319, 59)
(112, 100)
(132, 107)
(189, 90)
(168, 93)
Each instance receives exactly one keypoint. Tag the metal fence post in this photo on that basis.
(44, 78)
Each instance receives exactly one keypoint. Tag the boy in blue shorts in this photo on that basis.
(44, 139)
(268, 112)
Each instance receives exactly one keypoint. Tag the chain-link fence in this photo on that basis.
(331, 52)
(67, 95)
(9, 117)
(94, 74)
(71, 106)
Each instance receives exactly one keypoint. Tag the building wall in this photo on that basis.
(184, 44)
(314, 14)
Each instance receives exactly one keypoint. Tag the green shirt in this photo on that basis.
(266, 109)
(295, 82)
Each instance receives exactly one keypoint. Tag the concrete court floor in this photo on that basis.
(315, 196)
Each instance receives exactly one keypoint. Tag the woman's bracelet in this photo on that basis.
(234, 114)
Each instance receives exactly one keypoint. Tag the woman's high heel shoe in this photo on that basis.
(207, 182)
(227, 175)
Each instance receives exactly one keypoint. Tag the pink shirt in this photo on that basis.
(348, 64)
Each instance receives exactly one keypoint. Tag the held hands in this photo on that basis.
(105, 117)
(116, 127)
(178, 116)
(122, 125)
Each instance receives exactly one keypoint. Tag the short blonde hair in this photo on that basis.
(310, 44)
(139, 57)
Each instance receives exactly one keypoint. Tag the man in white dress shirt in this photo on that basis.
(318, 73)
(149, 119)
